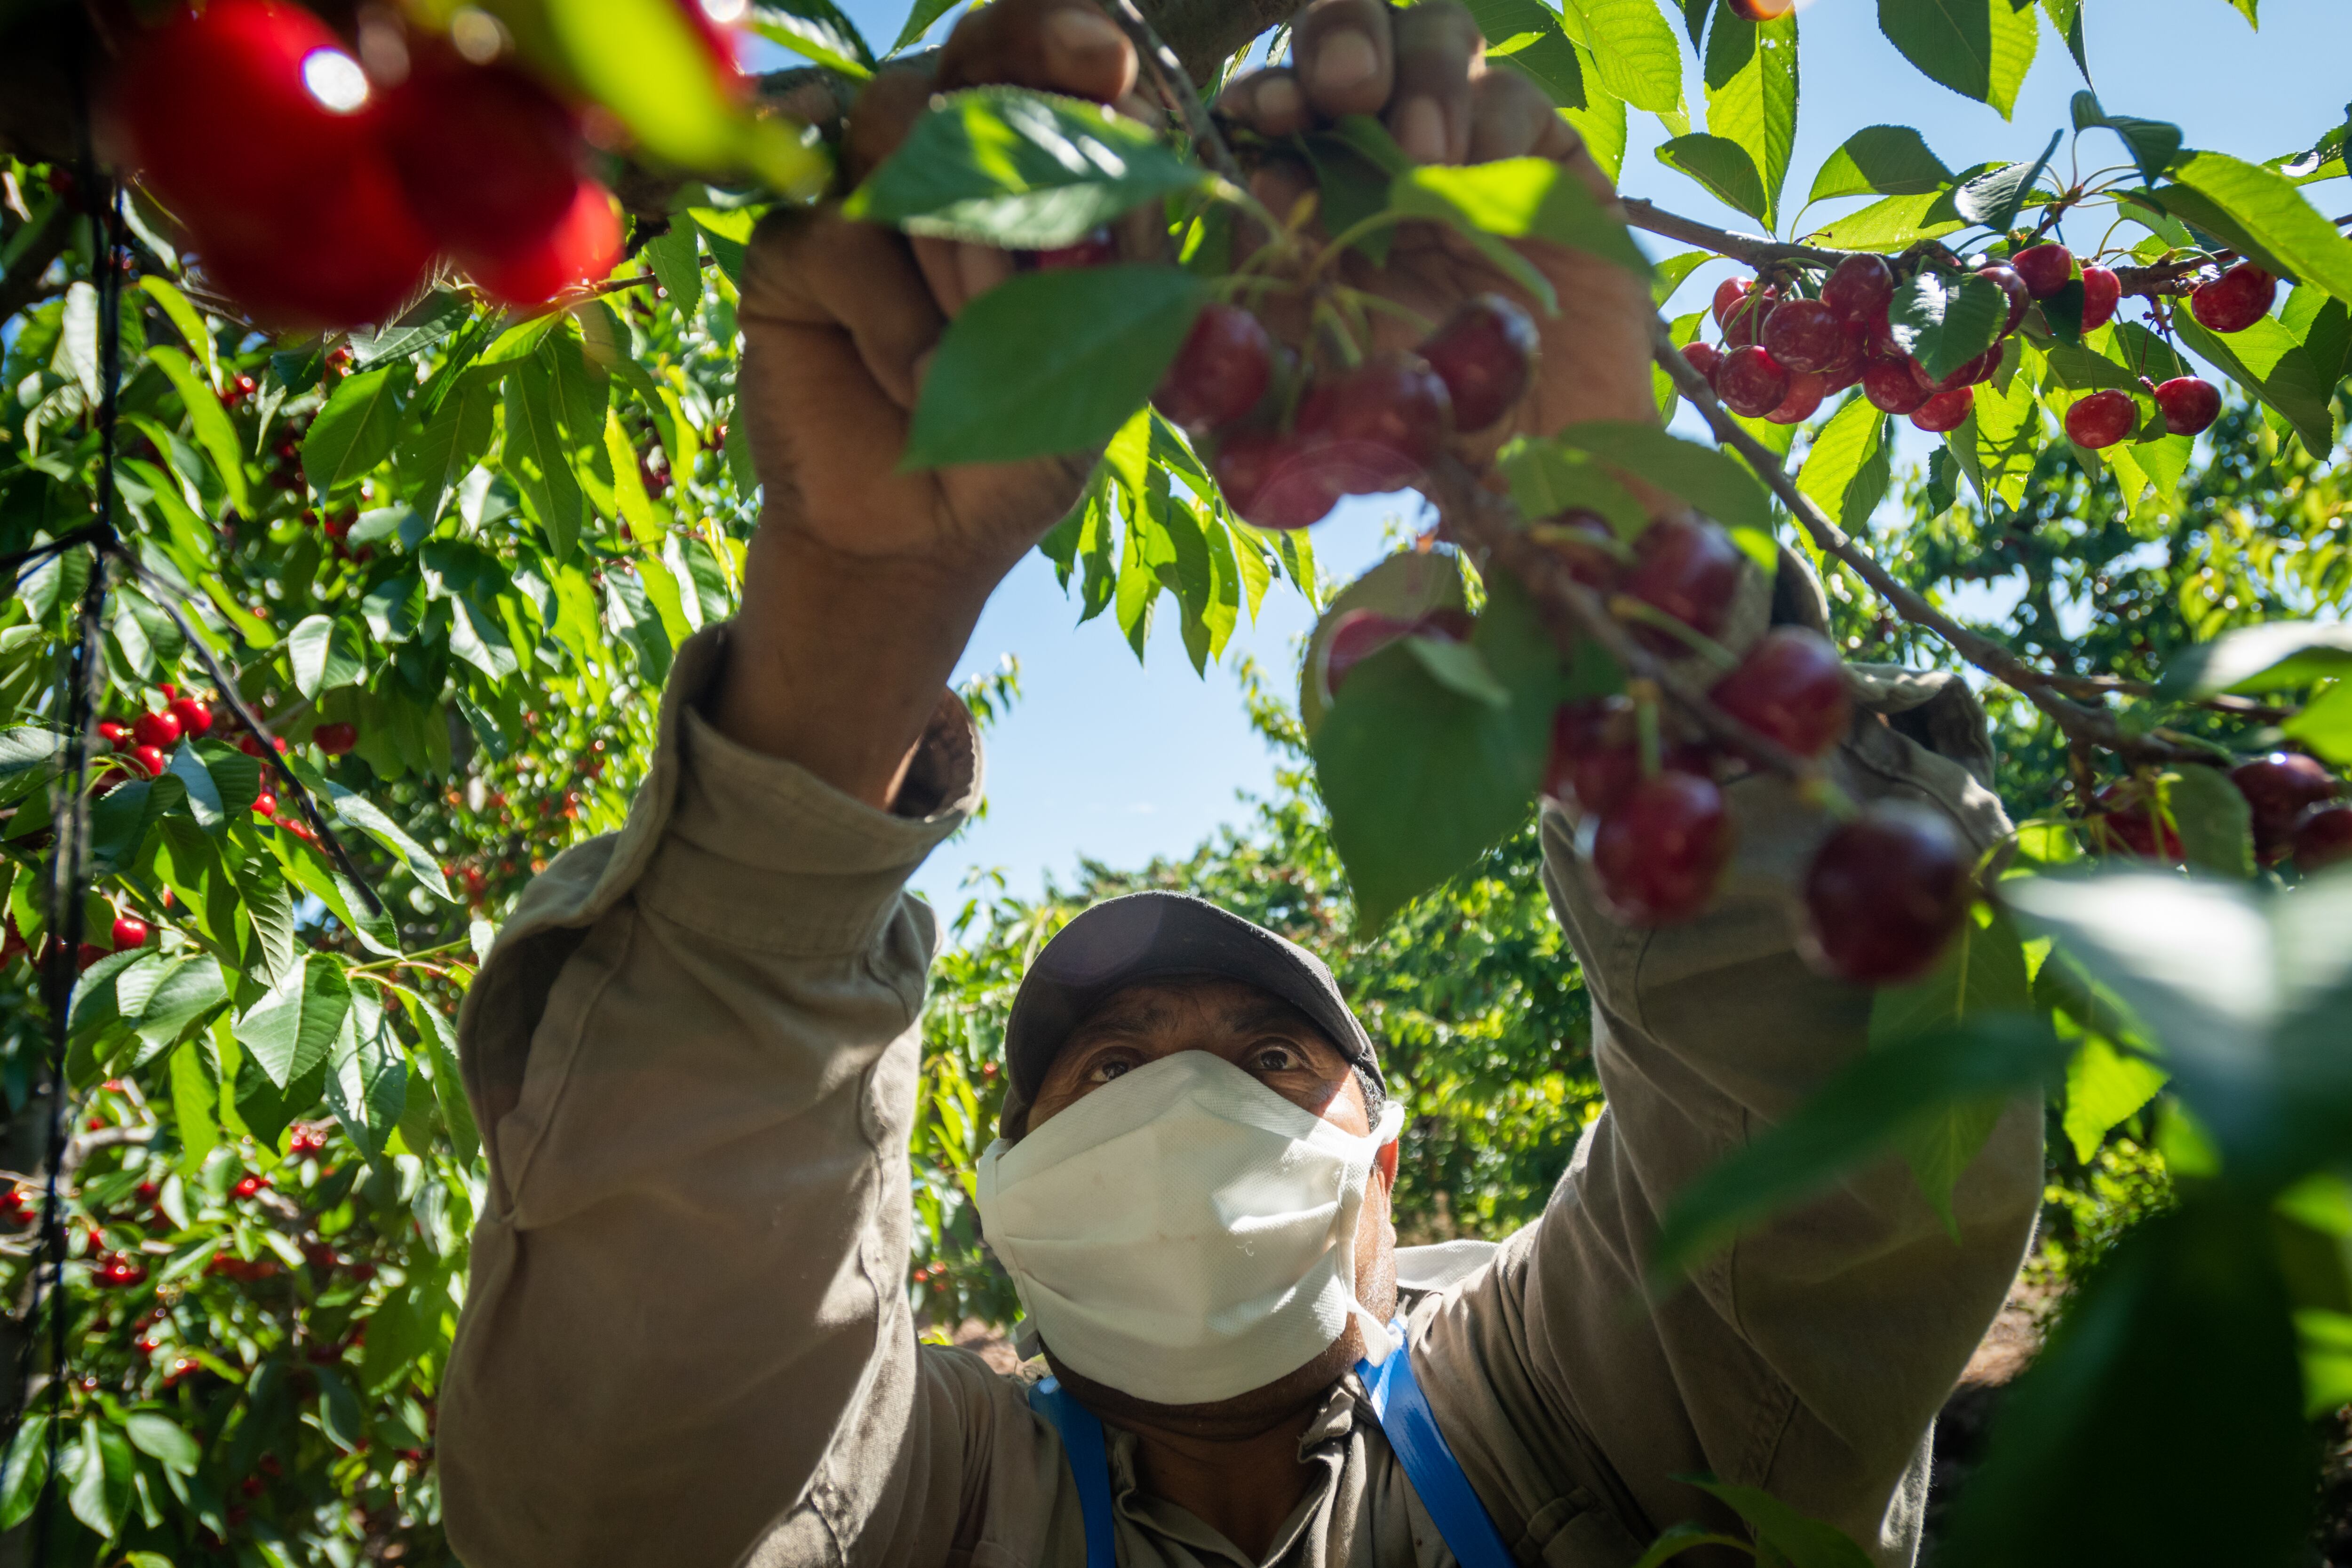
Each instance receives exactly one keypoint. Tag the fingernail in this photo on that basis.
(1072, 35)
(1278, 99)
(1420, 130)
(1343, 59)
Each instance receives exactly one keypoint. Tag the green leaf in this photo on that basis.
(676, 261)
(321, 658)
(1993, 198)
(2172, 1376)
(2215, 824)
(1633, 50)
(1998, 442)
(445, 449)
(1751, 95)
(2153, 144)
(919, 17)
(1710, 480)
(210, 422)
(1547, 478)
(98, 1477)
(1800, 1541)
(356, 429)
(2277, 657)
(647, 62)
(195, 1100)
(1890, 160)
(2325, 726)
(184, 318)
(1943, 325)
(536, 454)
(161, 1437)
(2272, 219)
(1855, 1116)
(364, 814)
(1667, 276)
(1051, 361)
(1896, 223)
(1008, 167)
(367, 1080)
(1673, 1543)
(188, 990)
(1519, 198)
(1849, 466)
(1527, 35)
(1979, 49)
(1722, 166)
(435, 317)
(28, 1461)
(1419, 778)
(290, 1029)
(2265, 358)
(448, 1082)
(815, 30)
(2104, 1087)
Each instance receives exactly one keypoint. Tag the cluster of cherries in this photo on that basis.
(325, 194)
(1884, 892)
(2294, 805)
(1782, 354)
(1289, 443)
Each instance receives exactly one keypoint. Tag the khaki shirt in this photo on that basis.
(687, 1338)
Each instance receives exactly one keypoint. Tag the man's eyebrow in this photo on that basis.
(1267, 1013)
(1125, 1017)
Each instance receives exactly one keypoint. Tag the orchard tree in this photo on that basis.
(371, 450)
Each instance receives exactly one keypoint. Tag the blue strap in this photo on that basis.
(1403, 1415)
(1436, 1476)
(1082, 1436)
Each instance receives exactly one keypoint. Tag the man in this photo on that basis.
(694, 1057)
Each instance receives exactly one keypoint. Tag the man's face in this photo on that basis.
(1276, 1044)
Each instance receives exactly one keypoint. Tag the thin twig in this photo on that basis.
(2038, 686)
(252, 727)
(1572, 612)
(87, 533)
(1176, 89)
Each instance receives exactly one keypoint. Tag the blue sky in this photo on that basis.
(1105, 758)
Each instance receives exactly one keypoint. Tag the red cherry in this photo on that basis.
(129, 932)
(1273, 478)
(1750, 382)
(488, 159)
(1891, 388)
(1885, 894)
(151, 759)
(2126, 819)
(2102, 419)
(259, 128)
(2322, 838)
(1946, 410)
(580, 248)
(1727, 294)
(1094, 250)
(1806, 390)
(1660, 853)
(2102, 292)
(1703, 358)
(264, 804)
(2235, 300)
(1860, 288)
(1595, 760)
(1743, 325)
(2007, 280)
(1590, 547)
(2189, 404)
(157, 730)
(2044, 268)
(1805, 335)
(90, 952)
(335, 738)
(1688, 568)
(2279, 788)
(1483, 353)
(1359, 634)
(1379, 426)
(193, 717)
(253, 748)
(114, 734)
(1791, 688)
(1761, 10)
(1220, 373)
(1847, 368)
(247, 1186)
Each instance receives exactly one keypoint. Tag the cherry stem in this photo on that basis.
(1176, 89)
(2096, 727)
(1644, 694)
(1349, 235)
(1627, 607)
(1361, 299)
(1573, 614)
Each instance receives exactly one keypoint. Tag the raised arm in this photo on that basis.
(1811, 1357)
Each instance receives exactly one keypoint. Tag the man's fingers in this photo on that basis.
(1342, 54)
(1054, 45)
(820, 269)
(1563, 145)
(1268, 101)
(884, 111)
(1510, 117)
(1437, 44)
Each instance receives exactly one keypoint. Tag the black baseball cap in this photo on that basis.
(1158, 936)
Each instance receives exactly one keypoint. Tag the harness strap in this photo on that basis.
(1398, 1403)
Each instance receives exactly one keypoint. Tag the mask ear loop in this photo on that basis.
(1379, 1341)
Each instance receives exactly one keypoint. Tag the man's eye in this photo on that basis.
(1109, 1069)
(1276, 1058)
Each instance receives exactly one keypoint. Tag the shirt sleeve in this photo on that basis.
(693, 1054)
(1811, 1356)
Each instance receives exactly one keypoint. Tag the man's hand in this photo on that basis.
(864, 582)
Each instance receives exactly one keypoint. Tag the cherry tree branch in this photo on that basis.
(2091, 725)
(1756, 249)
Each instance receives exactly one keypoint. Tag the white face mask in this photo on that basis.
(1184, 1234)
